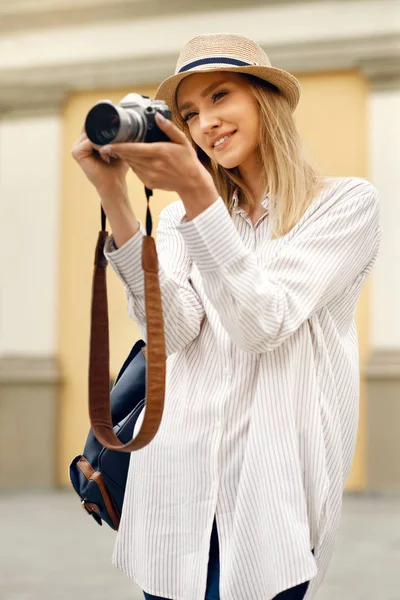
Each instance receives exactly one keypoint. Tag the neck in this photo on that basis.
(251, 175)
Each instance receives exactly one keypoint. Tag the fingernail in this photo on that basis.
(106, 158)
(107, 151)
(160, 117)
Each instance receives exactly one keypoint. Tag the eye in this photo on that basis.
(215, 98)
(187, 117)
(218, 95)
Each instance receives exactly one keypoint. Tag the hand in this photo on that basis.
(107, 175)
(170, 166)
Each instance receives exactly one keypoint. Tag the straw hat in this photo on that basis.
(226, 52)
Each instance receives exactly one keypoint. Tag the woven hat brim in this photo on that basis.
(287, 84)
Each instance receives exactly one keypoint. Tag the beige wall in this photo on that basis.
(333, 122)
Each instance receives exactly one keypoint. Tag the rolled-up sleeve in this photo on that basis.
(183, 310)
(261, 306)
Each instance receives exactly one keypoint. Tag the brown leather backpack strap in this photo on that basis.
(99, 361)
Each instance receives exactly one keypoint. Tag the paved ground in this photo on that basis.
(50, 550)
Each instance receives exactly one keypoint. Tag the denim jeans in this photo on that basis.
(212, 589)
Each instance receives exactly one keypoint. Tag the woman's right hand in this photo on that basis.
(108, 175)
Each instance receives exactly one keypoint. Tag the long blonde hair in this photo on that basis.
(291, 182)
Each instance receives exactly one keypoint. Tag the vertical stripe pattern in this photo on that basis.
(262, 392)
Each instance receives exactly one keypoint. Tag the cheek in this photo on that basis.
(256, 134)
(199, 141)
(254, 124)
(193, 131)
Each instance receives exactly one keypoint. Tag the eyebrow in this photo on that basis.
(203, 94)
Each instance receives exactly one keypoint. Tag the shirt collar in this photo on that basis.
(235, 203)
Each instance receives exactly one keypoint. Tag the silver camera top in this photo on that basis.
(132, 120)
(133, 99)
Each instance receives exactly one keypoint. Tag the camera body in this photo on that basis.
(132, 120)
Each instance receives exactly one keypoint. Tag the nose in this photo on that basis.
(208, 121)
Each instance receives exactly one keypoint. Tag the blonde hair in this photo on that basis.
(291, 182)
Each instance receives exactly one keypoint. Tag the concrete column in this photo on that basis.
(383, 368)
(29, 215)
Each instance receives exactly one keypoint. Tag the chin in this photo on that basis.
(228, 163)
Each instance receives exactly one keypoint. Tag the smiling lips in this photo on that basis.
(222, 139)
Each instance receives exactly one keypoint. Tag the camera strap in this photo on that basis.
(99, 359)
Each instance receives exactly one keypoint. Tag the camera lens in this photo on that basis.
(111, 128)
(102, 124)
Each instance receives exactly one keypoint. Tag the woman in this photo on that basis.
(262, 261)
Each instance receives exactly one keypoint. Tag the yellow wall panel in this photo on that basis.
(333, 123)
(332, 119)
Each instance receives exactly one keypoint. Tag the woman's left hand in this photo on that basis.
(170, 166)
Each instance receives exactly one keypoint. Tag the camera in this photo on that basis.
(132, 120)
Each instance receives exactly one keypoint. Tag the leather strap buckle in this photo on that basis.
(92, 510)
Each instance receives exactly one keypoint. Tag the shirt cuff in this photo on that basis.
(127, 260)
(211, 238)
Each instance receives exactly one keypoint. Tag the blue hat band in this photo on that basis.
(214, 61)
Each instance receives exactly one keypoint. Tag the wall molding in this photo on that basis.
(382, 378)
(18, 15)
(383, 363)
(39, 66)
(28, 90)
(29, 390)
(383, 73)
(29, 370)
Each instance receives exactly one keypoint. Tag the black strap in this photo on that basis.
(149, 220)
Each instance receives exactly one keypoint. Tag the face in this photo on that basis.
(218, 105)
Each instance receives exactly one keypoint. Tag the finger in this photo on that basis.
(105, 157)
(83, 141)
(171, 130)
(123, 151)
(84, 138)
(107, 152)
(133, 151)
(82, 147)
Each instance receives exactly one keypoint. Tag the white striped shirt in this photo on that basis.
(261, 406)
